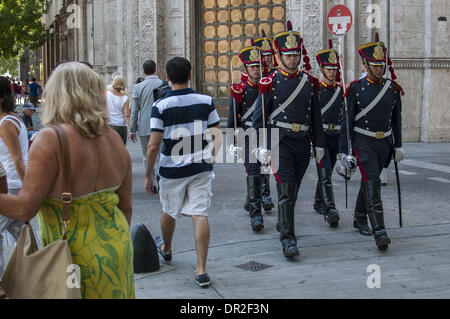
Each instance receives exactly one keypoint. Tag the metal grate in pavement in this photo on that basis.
(253, 266)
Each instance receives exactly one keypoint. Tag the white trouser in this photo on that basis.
(13, 227)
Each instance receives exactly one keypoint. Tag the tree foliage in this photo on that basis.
(21, 26)
(10, 65)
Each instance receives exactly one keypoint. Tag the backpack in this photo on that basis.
(161, 91)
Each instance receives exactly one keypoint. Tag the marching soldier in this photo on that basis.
(331, 98)
(375, 126)
(269, 61)
(243, 99)
(291, 105)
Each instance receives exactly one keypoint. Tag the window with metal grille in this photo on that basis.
(225, 27)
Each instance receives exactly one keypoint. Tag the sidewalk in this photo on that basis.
(333, 263)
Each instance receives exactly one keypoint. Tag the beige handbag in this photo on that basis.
(46, 273)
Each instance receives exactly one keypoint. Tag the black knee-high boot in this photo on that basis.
(318, 203)
(287, 195)
(326, 192)
(360, 215)
(376, 214)
(266, 200)
(254, 201)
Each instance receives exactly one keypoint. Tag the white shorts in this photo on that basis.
(190, 196)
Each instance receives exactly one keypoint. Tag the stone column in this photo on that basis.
(147, 30)
(307, 18)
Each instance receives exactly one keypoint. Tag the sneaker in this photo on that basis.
(203, 280)
(159, 242)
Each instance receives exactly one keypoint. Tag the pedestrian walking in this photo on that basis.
(25, 90)
(141, 106)
(119, 108)
(101, 181)
(13, 156)
(19, 93)
(180, 118)
(35, 90)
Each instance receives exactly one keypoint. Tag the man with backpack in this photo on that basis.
(141, 105)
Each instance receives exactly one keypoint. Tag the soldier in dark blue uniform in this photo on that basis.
(265, 43)
(375, 125)
(292, 106)
(331, 98)
(269, 61)
(244, 100)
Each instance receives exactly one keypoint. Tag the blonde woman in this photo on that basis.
(98, 231)
(119, 108)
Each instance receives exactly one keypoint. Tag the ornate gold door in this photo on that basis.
(225, 27)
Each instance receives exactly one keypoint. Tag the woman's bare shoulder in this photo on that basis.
(8, 127)
(46, 138)
(7, 123)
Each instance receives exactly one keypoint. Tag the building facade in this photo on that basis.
(119, 35)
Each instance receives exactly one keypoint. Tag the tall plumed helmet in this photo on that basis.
(338, 73)
(265, 43)
(375, 53)
(291, 42)
(329, 58)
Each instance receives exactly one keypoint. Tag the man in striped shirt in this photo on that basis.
(183, 121)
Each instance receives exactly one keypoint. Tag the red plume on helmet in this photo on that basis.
(391, 69)
(263, 33)
(338, 73)
(377, 37)
(307, 66)
(252, 42)
(275, 63)
(330, 44)
(289, 25)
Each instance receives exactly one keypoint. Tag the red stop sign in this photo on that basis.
(339, 20)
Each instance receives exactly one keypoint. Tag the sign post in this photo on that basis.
(339, 22)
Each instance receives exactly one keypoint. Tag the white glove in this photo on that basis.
(263, 155)
(238, 131)
(235, 151)
(346, 165)
(319, 152)
(399, 154)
